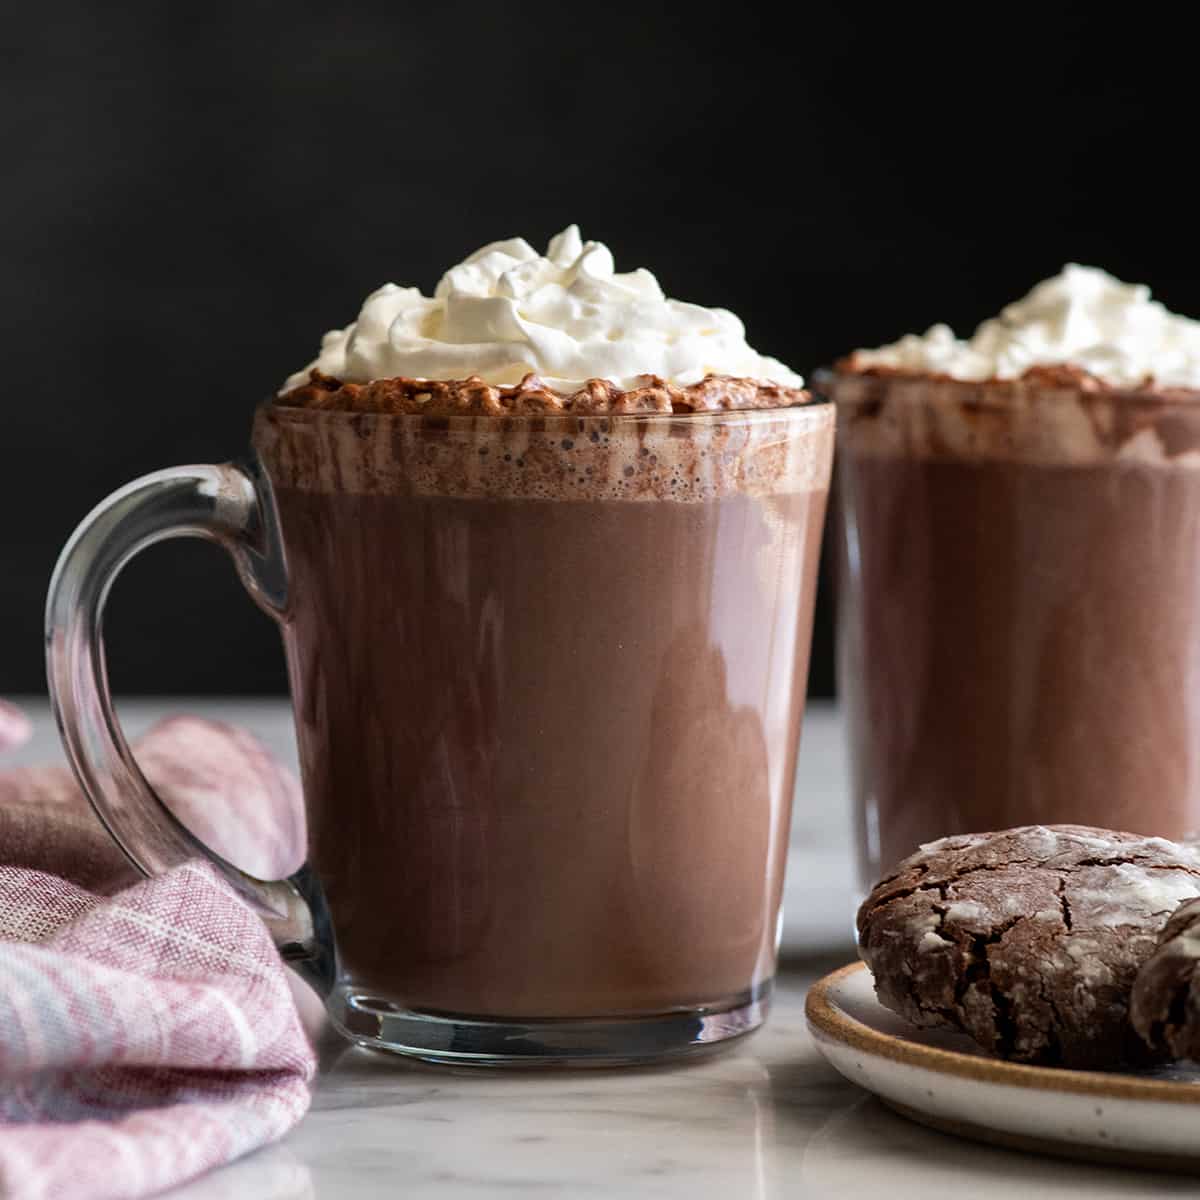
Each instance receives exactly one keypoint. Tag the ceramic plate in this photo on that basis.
(1137, 1117)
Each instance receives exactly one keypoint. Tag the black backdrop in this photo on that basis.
(192, 194)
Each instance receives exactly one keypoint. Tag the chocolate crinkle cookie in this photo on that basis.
(1166, 995)
(1028, 940)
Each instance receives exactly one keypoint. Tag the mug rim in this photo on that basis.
(998, 391)
(817, 408)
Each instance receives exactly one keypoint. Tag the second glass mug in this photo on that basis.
(1019, 580)
(547, 676)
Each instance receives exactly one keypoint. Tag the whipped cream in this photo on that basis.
(567, 316)
(1082, 316)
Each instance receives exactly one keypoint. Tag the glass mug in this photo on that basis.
(547, 676)
(1019, 607)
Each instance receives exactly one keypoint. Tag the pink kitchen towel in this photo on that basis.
(147, 1027)
(14, 726)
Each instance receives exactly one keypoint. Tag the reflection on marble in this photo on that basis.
(766, 1119)
(272, 1174)
(381, 1126)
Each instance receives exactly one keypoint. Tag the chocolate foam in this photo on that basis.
(687, 457)
(1051, 414)
(533, 397)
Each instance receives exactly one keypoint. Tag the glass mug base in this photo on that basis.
(448, 1039)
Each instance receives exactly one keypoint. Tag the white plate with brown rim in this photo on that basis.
(1145, 1118)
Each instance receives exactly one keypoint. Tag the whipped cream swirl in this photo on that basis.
(566, 316)
(1083, 317)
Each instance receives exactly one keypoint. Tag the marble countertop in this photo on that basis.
(766, 1118)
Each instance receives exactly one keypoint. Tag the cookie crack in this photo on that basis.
(940, 885)
(921, 869)
(1053, 1031)
(1006, 1026)
(1064, 903)
(941, 911)
(1131, 862)
(1064, 870)
(1006, 865)
(978, 974)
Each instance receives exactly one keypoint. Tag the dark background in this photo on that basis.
(191, 195)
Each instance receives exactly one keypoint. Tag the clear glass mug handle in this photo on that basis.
(227, 504)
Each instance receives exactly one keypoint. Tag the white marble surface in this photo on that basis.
(766, 1118)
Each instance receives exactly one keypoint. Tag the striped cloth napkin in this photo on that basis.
(148, 1030)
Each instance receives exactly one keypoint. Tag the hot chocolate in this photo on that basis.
(549, 675)
(1019, 637)
(550, 659)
